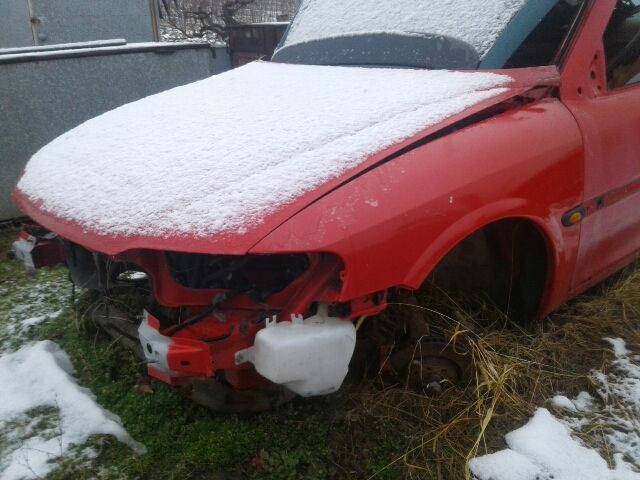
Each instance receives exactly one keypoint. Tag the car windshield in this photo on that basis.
(452, 34)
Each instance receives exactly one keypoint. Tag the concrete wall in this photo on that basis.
(15, 28)
(45, 22)
(43, 96)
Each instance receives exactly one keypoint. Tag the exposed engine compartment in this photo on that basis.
(197, 314)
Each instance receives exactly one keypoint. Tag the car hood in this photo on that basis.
(216, 165)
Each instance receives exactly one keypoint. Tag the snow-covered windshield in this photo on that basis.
(477, 23)
(431, 34)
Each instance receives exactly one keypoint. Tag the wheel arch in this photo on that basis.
(468, 228)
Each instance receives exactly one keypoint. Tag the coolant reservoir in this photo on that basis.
(310, 357)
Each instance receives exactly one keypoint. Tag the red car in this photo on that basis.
(490, 145)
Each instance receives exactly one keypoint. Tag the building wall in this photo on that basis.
(15, 28)
(45, 22)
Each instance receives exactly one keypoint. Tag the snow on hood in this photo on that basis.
(219, 155)
(476, 22)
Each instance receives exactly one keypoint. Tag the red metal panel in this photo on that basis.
(610, 123)
(392, 225)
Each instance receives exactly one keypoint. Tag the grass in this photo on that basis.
(371, 429)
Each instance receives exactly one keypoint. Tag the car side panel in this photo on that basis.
(392, 225)
(610, 122)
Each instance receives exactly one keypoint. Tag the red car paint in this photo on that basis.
(556, 143)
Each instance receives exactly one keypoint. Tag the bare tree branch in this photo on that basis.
(203, 18)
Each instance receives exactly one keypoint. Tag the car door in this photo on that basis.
(603, 92)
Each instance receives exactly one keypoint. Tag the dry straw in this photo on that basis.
(516, 371)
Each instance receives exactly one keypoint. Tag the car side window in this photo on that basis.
(622, 45)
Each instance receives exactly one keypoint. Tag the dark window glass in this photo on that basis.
(622, 45)
(542, 45)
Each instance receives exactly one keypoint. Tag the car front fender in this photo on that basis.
(393, 224)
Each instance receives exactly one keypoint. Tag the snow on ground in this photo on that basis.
(219, 155)
(44, 413)
(37, 376)
(479, 23)
(547, 447)
(31, 305)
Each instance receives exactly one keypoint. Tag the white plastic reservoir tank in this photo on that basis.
(310, 357)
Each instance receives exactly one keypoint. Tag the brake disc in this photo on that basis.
(432, 363)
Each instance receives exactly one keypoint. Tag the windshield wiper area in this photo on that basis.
(385, 50)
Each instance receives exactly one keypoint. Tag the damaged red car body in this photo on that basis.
(539, 196)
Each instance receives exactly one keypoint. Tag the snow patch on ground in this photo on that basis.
(36, 379)
(44, 414)
(619, 390)
(32, 304)
(543, 450)
(560, 401)
(478, 23)
(582, 403)
(546, 448)
(221, 154)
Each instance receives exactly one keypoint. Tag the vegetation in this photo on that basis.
(212, 18)
(371, 429)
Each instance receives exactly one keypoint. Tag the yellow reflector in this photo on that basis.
(575, 218)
